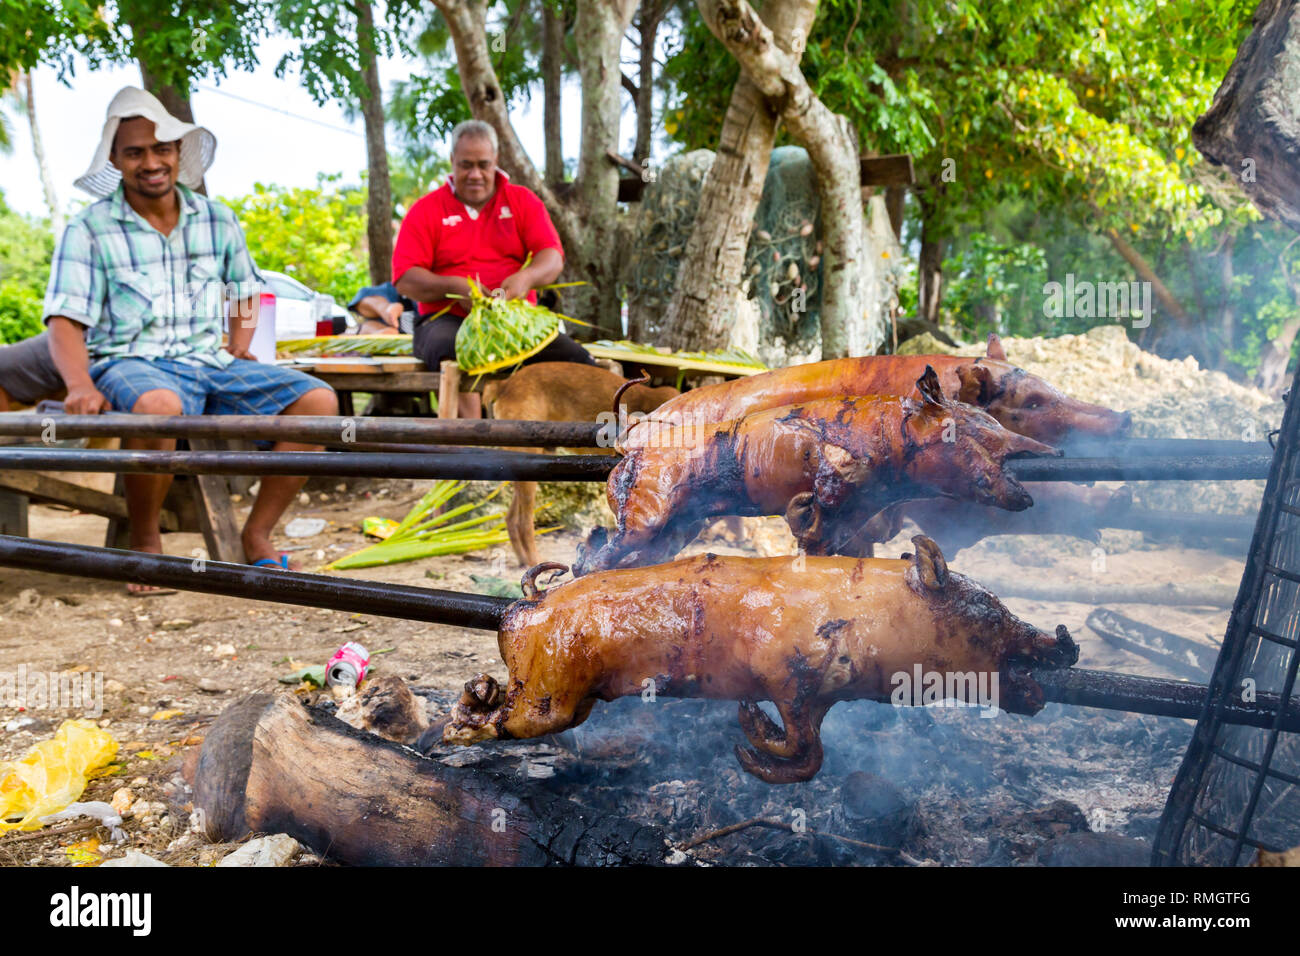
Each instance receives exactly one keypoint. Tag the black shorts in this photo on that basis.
(435, 343)
(27, 370)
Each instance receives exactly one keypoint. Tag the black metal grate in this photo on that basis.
(1238, 789)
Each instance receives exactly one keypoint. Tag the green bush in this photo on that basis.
(315, 235)
(26, 247)
(20, 311)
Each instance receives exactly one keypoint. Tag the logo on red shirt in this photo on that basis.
(451, 220)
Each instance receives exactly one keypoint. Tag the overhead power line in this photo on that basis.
(276, 109)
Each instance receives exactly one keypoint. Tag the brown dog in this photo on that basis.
(558, 392)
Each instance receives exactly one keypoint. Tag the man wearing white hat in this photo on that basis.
(137, 301)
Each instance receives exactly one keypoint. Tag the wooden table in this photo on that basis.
(386, 378)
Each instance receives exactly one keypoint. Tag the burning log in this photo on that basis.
(274, 765)
(1181, 656)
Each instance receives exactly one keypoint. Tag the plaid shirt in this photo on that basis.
(141, 294)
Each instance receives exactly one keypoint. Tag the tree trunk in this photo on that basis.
(1253, 126)
(929, 267)
(832, 145)
(1227, 311)
(379, 190)
(467, 24)
(175, 101)
(651, 13)
(552, 90)
(598, 35)
(1276, 355)
(895, 200)
(702, 310)
(273, 765)
(1147, 274)
(38, 148)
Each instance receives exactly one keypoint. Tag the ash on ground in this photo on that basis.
(900, 785)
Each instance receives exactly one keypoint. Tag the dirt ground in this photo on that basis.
(171, 663)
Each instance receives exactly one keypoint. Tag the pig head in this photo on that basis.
(943, 447)
(1028, 405)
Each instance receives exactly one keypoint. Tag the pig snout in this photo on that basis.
(1055, 424)
(1037, 648)
(1096, 420)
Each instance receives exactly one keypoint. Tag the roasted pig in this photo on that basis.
(802, 633)
(828, 466)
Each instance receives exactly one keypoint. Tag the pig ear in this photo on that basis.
(930, 566)
(931, 391)
(995, 349)
(976, 384)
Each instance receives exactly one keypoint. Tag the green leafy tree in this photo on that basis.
(1084, 110)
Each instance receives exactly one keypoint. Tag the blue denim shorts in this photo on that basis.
(241, 388)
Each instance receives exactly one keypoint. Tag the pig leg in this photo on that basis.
(804, 516)
(478, 715)
(763, 732)
(795, 755)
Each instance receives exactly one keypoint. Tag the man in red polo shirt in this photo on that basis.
(477, 225)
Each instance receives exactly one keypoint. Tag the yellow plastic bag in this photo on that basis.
(381, 528)
(53, 774)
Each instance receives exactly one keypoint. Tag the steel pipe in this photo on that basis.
(483, 465)
(1086, 446)
(1155, 468)
(312, 430)
(1077, 686)
(522, 466)
(263, 584)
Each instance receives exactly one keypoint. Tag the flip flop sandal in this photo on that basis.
(283, 562)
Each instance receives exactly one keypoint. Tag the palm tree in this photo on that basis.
(20, 90)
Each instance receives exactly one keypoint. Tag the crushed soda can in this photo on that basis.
(348, 666)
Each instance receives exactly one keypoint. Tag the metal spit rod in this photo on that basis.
(1084, 688)
(323, 430)
(481, 465)
(521, 466)
(314, 430)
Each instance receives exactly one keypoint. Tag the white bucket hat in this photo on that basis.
(198, 145)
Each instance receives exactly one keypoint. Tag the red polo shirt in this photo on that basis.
(441, 235)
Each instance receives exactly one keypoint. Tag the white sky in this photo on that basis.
(255, 143)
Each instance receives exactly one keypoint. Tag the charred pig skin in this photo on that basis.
(827, 466)
(1022, 402)
(802, 633)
